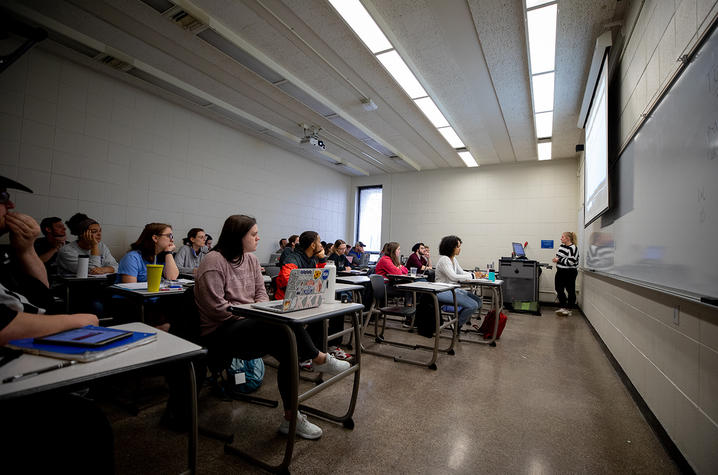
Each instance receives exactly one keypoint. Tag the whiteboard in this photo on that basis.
(663, 221)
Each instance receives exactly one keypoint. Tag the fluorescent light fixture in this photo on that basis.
(542, 38)
(451, 137)
(543, 92)
(401, 73)
(544, 124)
(468, 159)
(356, 16)
(536, 3)
(544, 151)
(432, 112)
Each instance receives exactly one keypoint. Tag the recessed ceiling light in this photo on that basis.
(451, 137)
(544, 151)
(544, 124)
(401, 73)
(468, 159)
(356, 16)
(542, 38)
(543, 92)
(428, 107)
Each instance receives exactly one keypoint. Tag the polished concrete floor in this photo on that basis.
(545, 400)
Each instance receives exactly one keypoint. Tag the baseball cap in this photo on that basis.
(7, 183)
(361, 244)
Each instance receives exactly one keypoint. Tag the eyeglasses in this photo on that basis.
(4, 197)
(169, 235)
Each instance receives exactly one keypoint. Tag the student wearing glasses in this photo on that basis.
(231, 275)
(89, 242)
(190, 255)
(338, 255)
(154, 246)
(449, 271)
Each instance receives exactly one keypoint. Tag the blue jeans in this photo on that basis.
(468, 302)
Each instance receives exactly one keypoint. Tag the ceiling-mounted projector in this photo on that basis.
(311, 136)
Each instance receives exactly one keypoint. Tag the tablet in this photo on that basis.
(86, 336)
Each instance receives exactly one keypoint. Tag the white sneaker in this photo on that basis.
(567, 313)
(339, 354)
(305, 429)
(332, 365)
(561, 311)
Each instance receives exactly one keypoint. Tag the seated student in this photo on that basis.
(54, 237)
(418, 258)
(230, 275)
(357, 252)
(89, 242)
(154, 246)
(288, 249)
(390, 262)
(208, 242)
(190, 255)
(338, 256)
(449, 271)
(63, 419)
(309, 254)
(282, 244)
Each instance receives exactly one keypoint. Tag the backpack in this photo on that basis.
(425, 319)
(253, 371)
(487, 327)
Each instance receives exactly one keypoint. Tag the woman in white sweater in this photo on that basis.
(449, 271)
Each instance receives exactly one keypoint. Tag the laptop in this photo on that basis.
(304, 290)
(274, 258)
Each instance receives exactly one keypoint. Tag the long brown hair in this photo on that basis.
(145, 244)
(230, 243)
(571, 236)
(391, 248)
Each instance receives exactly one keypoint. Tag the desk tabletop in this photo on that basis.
(90, 278)
(166, 348)
(491, 283)
(351, 272)
(340, 287)
(325, 310)
(435, 287)
(145, 293)
(406, 276)
(354, 279)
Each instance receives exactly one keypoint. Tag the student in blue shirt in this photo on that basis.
(154, 246)
(356, 253)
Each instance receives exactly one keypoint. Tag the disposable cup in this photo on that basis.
(412, 271)
(154, 277)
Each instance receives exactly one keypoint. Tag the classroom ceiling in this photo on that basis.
(267, 66)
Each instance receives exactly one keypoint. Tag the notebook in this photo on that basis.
(304, 290)
(83, 354)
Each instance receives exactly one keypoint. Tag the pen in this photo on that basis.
(59, 365)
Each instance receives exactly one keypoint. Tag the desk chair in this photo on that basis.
(380, 307)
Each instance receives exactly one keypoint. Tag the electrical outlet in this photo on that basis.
(676, 314)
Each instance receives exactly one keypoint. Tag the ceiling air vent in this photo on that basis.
(187, 21)
(159, 5)
(113, 62)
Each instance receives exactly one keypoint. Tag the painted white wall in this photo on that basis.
(673, 365)
(86, 142)
(487, 207)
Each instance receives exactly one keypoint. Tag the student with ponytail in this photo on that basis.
(566, 271)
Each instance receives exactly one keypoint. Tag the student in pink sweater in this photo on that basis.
(231, 275)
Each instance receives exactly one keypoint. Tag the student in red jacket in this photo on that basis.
(390, 262)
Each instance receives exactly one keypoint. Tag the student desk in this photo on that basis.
(431, 288)
(73, 284)
(287, 321)
(167, 349)
(497, 302)
(140, 296)
(351, 272)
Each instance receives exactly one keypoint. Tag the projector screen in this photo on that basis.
(595, 197)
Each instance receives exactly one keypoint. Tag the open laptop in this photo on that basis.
(304, 290)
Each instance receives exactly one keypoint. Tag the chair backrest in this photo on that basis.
(272, 271)
(378, 286)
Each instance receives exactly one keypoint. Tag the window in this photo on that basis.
(369, 217)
